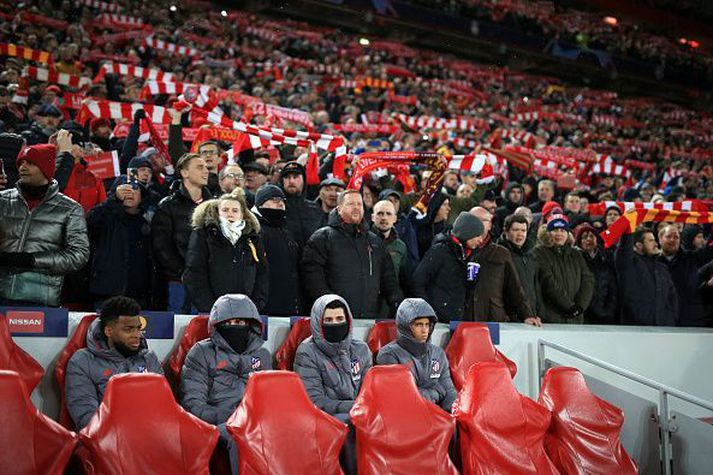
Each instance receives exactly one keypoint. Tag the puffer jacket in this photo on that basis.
(332, 372)
(215, 267)
(55, 232)
(426, 361)
(90, 369)
(604, 307)
(214, 376)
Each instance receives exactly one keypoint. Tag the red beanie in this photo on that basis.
(548, 207)
(44, 156)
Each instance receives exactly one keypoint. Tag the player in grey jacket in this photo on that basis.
(331, 364)
(115, 345)
(415, 320)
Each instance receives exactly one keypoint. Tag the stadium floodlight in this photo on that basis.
(610, 20)
(173, 8)
(364, 41)
(223, 13)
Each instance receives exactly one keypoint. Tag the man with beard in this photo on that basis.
(329, 189)
(115, 345)
(303, 215)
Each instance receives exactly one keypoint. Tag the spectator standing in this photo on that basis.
(303, 216)
(604, 307)
(545, 192)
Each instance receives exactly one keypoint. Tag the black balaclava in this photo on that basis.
(237, 336)
(274, 217)
(335, 332)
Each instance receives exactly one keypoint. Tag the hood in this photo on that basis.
(409, 310)
(335, 221)
(544, 240)
(98, 345)
(235, 306)
(434, 205)
(316, 325)
(206, 215)
(511, 187)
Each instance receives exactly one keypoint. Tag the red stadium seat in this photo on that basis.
(14, 358)
(195, 331)
(584, 434)
(285, 356)
(500, 430)
(139, 428)
(471, 344)
(397, 430)
(381, 333)
(31, 442)
(280, 431)
(77, 341)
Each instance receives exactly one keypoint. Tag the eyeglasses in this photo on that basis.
(208, 152)
(235, 176)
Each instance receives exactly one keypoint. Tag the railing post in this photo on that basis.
(665, 423)
(540, 363)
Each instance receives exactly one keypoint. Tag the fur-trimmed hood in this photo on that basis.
(206, 215)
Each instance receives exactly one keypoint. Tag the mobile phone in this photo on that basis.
(2, 167)
(132, 177)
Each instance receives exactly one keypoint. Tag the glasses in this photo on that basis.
(206, 153)
(235, 176)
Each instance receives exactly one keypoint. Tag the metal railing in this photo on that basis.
(664, 392)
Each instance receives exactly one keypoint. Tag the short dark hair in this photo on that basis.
(334, 304)
(515, 218)
(639, 234)
(209, 142)
(114, 307)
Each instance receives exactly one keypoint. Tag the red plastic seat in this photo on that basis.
(285, 355)
(195, 331)
(139, 428)
(280, 431)
(77, 341)
(397, 430)
(14, 358)
(501, 431)
(382, 333)
(471, 344)
(584, 434)
(31, 442)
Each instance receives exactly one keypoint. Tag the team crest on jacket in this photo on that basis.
(255, 363)
(141, 368)
(435, 368)
(356, 369)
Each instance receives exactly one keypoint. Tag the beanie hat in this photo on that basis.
(580, 230)
(44, 156)
(139, 162)
(98, 122)
(557, 221)
(550, 207)
(467, 226)
(267, 192)
(10, 145)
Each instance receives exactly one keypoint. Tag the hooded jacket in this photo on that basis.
(509, 207)
(304, 217)
(332, 372)
(214, 376)
(215, 267)
(356, 266)
(426, 228)
(426, 361)
(55, 232)
(90, 369)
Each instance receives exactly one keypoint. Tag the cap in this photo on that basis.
(389, 192)
(139, 162)
(256, 167)
(292, 167)
(48, 110)
(267, 192)
(332, 182)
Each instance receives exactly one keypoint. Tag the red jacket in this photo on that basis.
(84, 187)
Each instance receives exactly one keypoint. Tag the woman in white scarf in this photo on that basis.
(225, 253)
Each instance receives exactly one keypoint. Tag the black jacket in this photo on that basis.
(528, 270)
(509, 207)
(684, 273)
(304, 217)
(440, 278)
(34, 134)
(121, 251)
(352, 262)
(426, 229)
(646, 292)
(283, 256)
(604, 307)
(171, 229)
(215, 267)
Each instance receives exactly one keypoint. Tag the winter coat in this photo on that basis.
(55, 232)
(528, 271)
(171, 230)
(35, 134)
(304, 216)
(426, 229)
(332, 373)
(90, 369)
(604, 307)
(283, 256)
(351, 263)
(78, 183)
(684, 273)
(121, 250)
(440, 278)
(508, 206)
(426, 361)
(214, 375)
(565, 279)
(647, 294)
(215, 267)
(497, 292)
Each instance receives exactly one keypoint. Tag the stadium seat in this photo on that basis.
(500, 430)
(139, 428)
(285, 355)
(31, 442)
(280, 431)
(381, 333)
(471, 344)
(14, 358)
(584, 434)
(397, 430)
(195, 331)
(77, 341)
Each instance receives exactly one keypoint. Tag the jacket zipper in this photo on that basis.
(370, 265)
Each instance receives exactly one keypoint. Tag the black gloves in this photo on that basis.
(575, 311)
(139, 115)
(17, 259)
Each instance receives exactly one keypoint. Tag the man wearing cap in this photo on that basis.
(46, 123)
(10, 146)
(329, 189)
(303, 216)
(216, 370)
(283, 252)
(100, 129)
(255, 175)
(498, 294)
(442, 276)
(566, 281)
(415, 322)
(43, 235)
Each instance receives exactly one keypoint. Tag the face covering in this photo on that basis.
(236, 336)
(34, 192)
(335, 332)
(232, 231)
(274, 217)
(125, 351)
